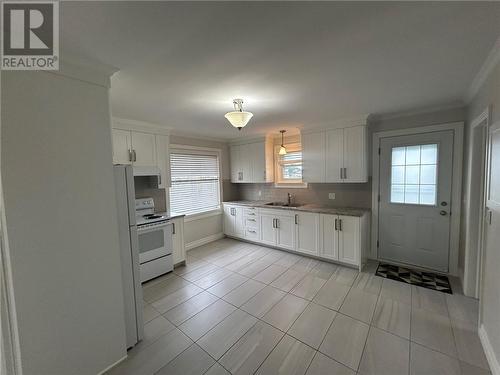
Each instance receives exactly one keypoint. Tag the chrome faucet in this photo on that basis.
(289, 201)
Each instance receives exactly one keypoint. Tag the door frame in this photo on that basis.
(456, 191)
(472, 275)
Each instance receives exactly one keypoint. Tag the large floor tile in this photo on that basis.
(153, 330)
(212, 278)
(217, 369)
(472, 370)
(322, 365)
(469, 347)
(263, 301)
(463, 308)
(332, 294)
(155, 356)
(200, 272)
(270, 274)
(251, 349)
(290, 357)
(392, 316)
(190, 266)
(244, 292)
(254, 268)
(312, 325)
(206, 319)
(428, 299)
(170, 301)
(368, 282)
(359, 305)
(308, 287)
(220, 338)
(323, 270)
(305, 264)
(288, 260)
(248, 259)
(285, 312)
(396, 290)
(425, 361)
(228, 284)
(192, 306)
(192, 361)
(164, 288)
(345, 340)
(433, 331)
(385, 353)
(344, 275)
(288, 280)
(149, 313)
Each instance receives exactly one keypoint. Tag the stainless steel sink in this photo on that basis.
(281, 204)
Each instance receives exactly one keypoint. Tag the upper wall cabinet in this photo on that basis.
(130, 147)
(252, 162)
(335, 155)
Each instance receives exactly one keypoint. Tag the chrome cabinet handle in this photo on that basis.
(274, 226)
(336, 224)
(340, 225)
(252, 231)
(135, 155)
(296, 219)
(345, 173)
(277, 223)
(251, 219)
(173, 228)
(130, 157)
(341, 173)
(159, 179)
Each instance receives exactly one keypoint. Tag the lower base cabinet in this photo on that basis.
(179, 248)
(339, 238)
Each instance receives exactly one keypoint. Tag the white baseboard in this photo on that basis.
(113, 365)
(204, 240)
(488, 351)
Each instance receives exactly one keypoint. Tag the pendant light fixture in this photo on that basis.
(282, 147)
(238, 118)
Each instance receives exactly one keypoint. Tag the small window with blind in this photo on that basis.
(195, 182)
(289, 166)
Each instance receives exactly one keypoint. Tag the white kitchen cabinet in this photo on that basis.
(313, 157)
(335, 155)
(252, 162)
(349, 239)
(122, 146)
(285, 232)
(307, 232)
(163, 160)
(267, 229)
(329, 238)
(144, 149)
(277, 228)
(179, 248)
(234, 221)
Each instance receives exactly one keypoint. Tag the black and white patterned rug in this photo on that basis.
(427, 280)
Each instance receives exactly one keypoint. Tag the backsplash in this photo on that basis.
(346, 195)
(158, 195)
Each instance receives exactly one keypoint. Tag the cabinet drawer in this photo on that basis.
(251, 222)
(250, 211)
(252, 234)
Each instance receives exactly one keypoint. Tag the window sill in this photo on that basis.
(295, 185)
(202, 215)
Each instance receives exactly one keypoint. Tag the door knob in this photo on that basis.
(443, 213)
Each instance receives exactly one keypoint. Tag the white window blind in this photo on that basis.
(289, 166)
(195, 183)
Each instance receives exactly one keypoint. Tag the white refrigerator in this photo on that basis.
(129, 253)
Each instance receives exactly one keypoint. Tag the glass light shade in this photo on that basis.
(238, 118)
(282, 150)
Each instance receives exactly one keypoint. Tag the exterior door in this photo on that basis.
(415, 195)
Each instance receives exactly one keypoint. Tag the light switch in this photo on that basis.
(331, 195)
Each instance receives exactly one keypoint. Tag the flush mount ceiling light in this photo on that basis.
(282, 147)
(238, 118)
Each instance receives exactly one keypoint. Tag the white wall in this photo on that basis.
(56, 167)
(489, 94)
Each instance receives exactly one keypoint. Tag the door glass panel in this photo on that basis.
(414, 174)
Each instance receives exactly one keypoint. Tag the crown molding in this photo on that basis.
(85, 70)
(482, 75)
(180, 133)
(415, 112)
(137, 125)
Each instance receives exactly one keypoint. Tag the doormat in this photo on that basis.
(427, 280)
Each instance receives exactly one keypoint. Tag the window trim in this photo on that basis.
(197, 150)
(279, 182)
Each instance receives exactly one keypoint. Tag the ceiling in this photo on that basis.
(295, 64)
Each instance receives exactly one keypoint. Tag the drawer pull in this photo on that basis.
(251, 220)
(252, 231)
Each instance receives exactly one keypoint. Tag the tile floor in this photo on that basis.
(239, 308)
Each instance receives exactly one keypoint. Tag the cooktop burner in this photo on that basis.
(151, 216)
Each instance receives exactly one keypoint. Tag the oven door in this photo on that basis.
(155, 241)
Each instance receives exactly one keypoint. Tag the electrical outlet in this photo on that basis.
(331, 195)
(260, 193)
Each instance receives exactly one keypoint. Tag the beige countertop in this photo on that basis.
(348, 211)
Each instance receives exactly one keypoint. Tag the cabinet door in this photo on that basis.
(144, 145)
(234, 154)
(179, 250)
(239, 222)
(228, 220)
(349, 240)
(246, 157)
(329, 237)
(307, 232)
(122, 145)
(334, 155)
(258, 157)
(267, 230)
(355, 163)
(285, 236)
(163, 157)
(313, 157)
